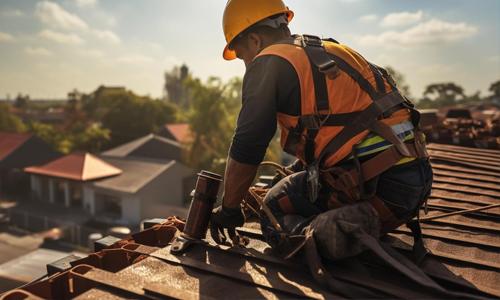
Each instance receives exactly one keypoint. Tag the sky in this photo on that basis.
(48, 48)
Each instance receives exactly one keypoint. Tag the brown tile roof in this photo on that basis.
(180, 131)
(9, 142)
(76, 166)
(466, 245)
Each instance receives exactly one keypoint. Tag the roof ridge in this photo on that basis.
(88, 159)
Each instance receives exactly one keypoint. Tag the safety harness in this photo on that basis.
(351, 182)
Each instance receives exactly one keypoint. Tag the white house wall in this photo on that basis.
(163, 196)
(89, 199)
(131, 210)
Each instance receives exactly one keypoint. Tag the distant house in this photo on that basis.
(179, 132)
(149, 146)
(17, 151)
(52, 116)
(112, 189)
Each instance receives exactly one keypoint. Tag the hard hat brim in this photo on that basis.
(229, 54)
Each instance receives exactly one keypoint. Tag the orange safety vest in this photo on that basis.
(336, 84)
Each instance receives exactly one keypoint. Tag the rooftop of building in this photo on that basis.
(180, 132)
(137, 173)
(10, 141)
(464, 253)
(76, 166)
(148, 146)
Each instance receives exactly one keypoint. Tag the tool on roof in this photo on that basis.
(204, 198)
(460, 212)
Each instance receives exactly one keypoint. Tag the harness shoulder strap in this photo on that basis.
(319, 64)
(379, 79)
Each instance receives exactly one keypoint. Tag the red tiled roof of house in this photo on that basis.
(180, 131)
(76, 166)
(11, 141)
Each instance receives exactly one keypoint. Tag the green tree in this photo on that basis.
(473, 99)
(82, 137)
(8, 121)
(51, 136)
(211, 117)
(400, 80)
(495, 92)
(92, 138)
(441, 95)
(21, 101)
(126, 115)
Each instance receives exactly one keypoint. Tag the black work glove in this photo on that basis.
(225, 218)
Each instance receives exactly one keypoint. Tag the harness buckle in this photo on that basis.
(327, 66)
(311, 40)
(313, 181)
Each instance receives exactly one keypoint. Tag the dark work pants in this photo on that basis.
(403, 189)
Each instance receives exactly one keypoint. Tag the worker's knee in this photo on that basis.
(288, 203)
(290, 185)
(333, 230)
(404, 188)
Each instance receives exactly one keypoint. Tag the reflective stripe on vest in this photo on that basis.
(344, 96)
(374, 143)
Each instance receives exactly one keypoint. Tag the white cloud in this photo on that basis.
(54, 15)
(92, 53)
(402, 18)
(368, 18)
(134, 59)
(86, 3)
(62, 38)
(37, 51)
(434, 69)
(12, 13)
(5, 37)
(108, 36)
(429, 32)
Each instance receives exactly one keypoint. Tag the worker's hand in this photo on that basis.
(225, 218)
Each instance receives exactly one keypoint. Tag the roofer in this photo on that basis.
(355, 136)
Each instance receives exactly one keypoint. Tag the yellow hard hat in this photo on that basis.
(241, 14)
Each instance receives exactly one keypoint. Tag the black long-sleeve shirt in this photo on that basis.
(270, 85)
